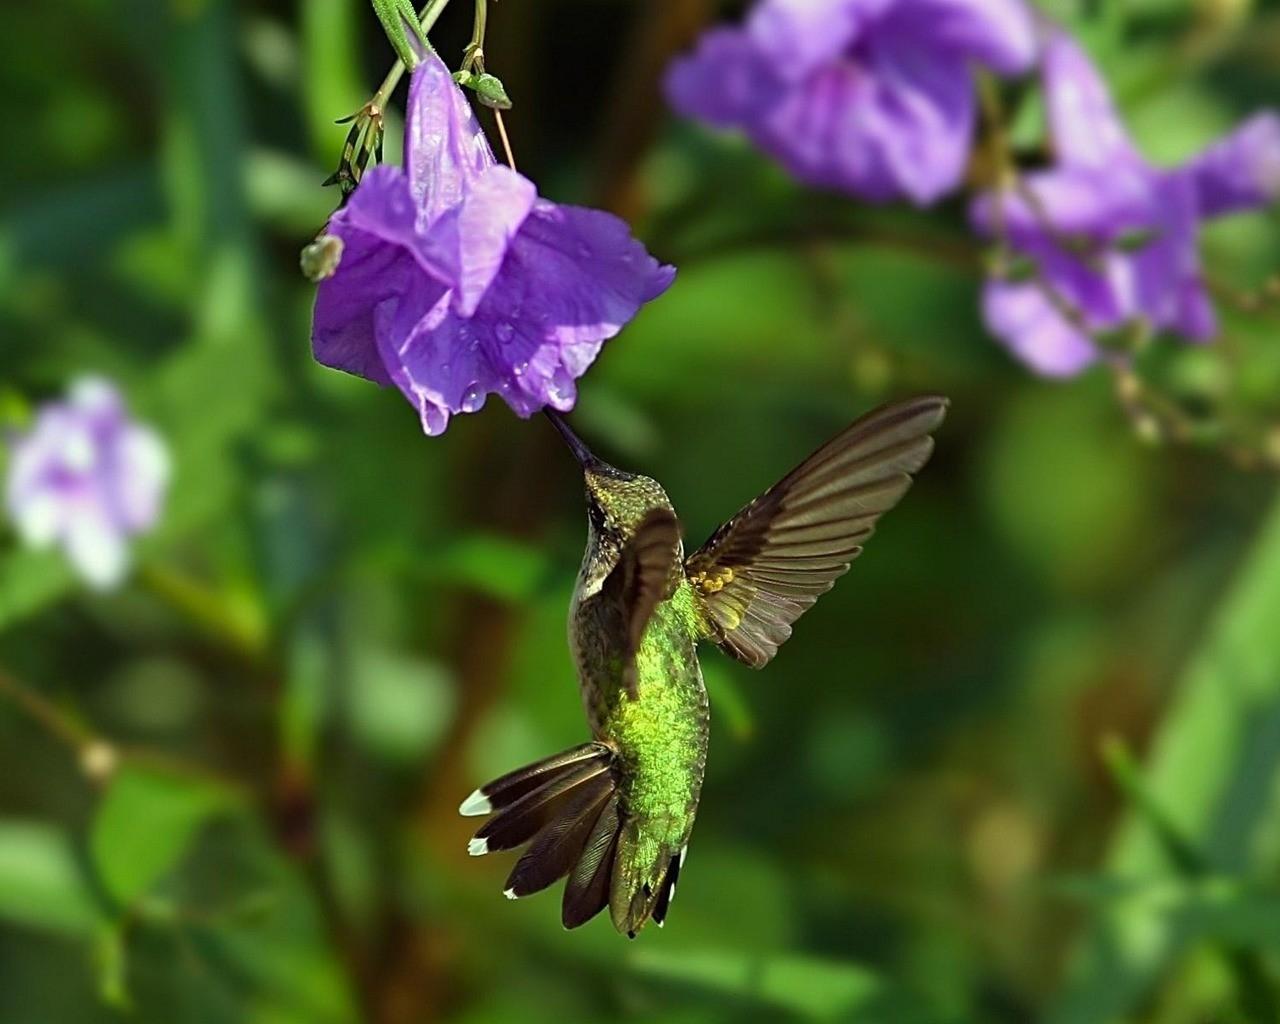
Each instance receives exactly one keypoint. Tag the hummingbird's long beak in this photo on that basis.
(576, 445)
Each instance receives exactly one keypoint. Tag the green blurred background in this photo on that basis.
(1020, 765)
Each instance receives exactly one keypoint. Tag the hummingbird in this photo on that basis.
(615, 814)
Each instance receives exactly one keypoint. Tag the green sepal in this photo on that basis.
(399, 20)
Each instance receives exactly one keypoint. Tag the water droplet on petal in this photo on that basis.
(472, 398)
(504, 331)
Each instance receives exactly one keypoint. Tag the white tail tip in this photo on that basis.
(478, 847)
(509, 893)
(475, 805)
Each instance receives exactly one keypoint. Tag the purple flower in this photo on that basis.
(871, 97)
(1113, 239)
(87, 478)
(456, 281)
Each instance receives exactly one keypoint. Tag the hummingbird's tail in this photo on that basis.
(568, 806)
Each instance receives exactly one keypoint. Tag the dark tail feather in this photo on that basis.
(502, 793)
(667, 891)
(519, 822)
(587, 891)
(559, 845)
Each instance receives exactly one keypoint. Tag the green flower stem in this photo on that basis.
(427, 19)
(473, 56)
(208, 611)
(53, 719)
(399, 22)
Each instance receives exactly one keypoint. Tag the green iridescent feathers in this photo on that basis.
(766, 566)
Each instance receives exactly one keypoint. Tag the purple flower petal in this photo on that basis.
(435, 358)
(445, 150)
(574, 277)
(798, 37)
(376, 267)
(142, 477)
(724, 82)
(923, 113)
(1242, 170)
(97, 548)
(829, 135)
(1083, 122)
(1022, 317)
(87, 478)
(1164, 268)
(873, 97)
(997, 33)
(469, 242)
(1088, 204)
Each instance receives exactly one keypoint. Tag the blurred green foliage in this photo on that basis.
(228, 793)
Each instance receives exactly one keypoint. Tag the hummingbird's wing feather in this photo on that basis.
(644, 576)
(766, 566)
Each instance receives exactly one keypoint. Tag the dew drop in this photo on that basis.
(504, 331)
(472, 398)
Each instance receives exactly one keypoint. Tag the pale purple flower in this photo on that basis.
(871, 97)
(1112, 238)
(457, 281)
(87, 478)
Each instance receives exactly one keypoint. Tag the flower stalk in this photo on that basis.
(364, 140)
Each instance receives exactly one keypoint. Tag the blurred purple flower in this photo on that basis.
(87, 478)
(1112, 237)
(456, 281)
(871, 97)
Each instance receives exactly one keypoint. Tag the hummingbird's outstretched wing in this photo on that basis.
(766, 566)
(643, 577)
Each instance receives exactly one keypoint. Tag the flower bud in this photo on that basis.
(320, 259)
(491, 92)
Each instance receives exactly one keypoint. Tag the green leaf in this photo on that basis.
(496, 566)
(145, 824)
(400, 706)
(41, 882)
(818, 989)
(1212, 770)
(31, 581)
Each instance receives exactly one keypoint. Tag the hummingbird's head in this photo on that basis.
(616, 500)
